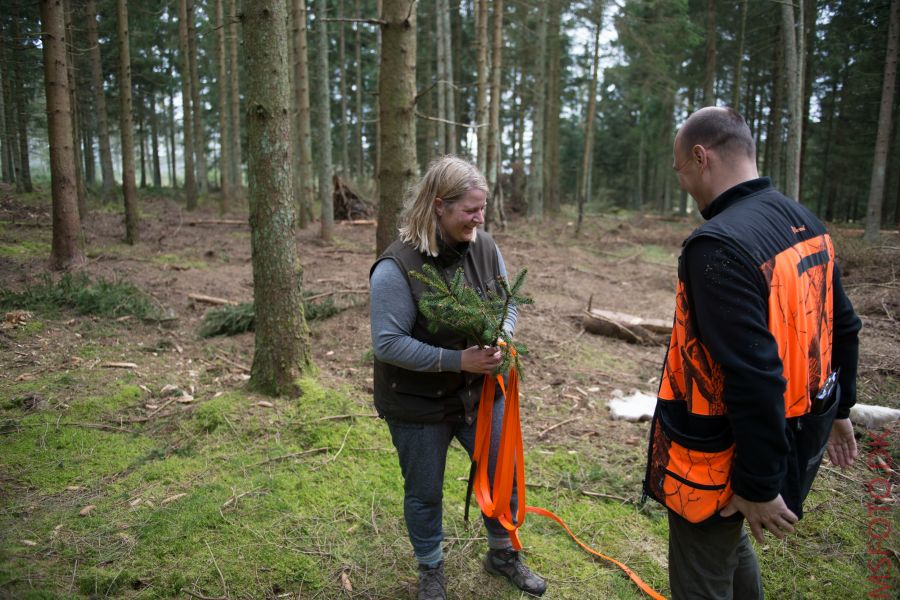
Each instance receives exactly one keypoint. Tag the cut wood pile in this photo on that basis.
(348, 205)
(632, 329)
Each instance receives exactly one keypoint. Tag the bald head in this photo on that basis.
(720, 129)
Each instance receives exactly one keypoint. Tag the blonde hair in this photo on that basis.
(448, 178)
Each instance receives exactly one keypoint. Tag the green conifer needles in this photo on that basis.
(456, 306)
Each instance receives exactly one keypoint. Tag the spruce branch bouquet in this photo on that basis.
(458, 307)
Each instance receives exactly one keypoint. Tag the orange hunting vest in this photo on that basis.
(691, 446)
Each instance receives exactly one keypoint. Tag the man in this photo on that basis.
(760, 373)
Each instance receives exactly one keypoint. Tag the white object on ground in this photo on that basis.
(636, 407)
(872, 416)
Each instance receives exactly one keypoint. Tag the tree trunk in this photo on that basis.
(536, 174)
(709, 74)
(775, 130)
(739, 58)
(281, 353)
(324, 124)
(225, 134)
(481, 97)
(551, 137)
(76, 124)
(66, 248)
(190, 186)
(235, 95)
(171, 151)
(876, 187)
(87, 152)
(448, 87)
(494, 163)
(358, 134)
(397, 99)
(793, 62)
(20, 99)
(440, 6)
(106, 167)
(154, 138)
(342, 88)
(11, 144)
(141, 140)
(132, 233)
(304, 189)
(197, 106)
(809, 37)
(588, 151)
(5, 154)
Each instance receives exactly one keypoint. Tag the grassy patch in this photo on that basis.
(78, 292)
(233, 320)
(235, 499)
(25, 249)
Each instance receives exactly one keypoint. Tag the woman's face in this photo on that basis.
(460, 220)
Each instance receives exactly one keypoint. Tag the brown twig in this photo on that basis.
(347, 416)
(211, 299)
(552, 427)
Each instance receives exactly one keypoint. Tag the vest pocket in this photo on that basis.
(689, 474)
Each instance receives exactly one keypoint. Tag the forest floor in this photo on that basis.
(112, 484)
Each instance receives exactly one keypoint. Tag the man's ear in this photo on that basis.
(699, 155)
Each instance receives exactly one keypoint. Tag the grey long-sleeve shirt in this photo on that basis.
(393, 314)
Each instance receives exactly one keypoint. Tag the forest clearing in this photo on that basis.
(166, 476)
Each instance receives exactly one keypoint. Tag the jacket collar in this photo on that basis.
(734, 194)
(449, 254)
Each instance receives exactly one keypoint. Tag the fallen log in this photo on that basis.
(632, 329)
(211, 300)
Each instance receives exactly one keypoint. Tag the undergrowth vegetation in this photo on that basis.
(78, 292)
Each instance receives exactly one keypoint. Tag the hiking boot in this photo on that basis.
(507, 563)
(432, 583)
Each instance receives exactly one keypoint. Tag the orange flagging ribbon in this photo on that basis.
(495, 502)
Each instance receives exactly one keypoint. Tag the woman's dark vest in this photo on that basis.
(691, 445)
(431, 397)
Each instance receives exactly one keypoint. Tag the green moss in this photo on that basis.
(214, 413)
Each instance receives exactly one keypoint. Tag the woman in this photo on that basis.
(427, 385)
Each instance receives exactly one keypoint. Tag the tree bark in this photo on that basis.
(106, 167)
(588, 151)
(154, 138)
(141, 139)
(709, 77)
(536, 174)
(448, 87)
(876, 187)
(304, 189)
(775, 129)
(440, 7)
(10, 118)
(793, 62)
(481, 96)
(324, 125)
(281, 353)
(66, 248)
(5, 154)
(197, 106)
(20, 99)
(225, 134)
(342, 88)
(235, 96)
(739, 58)
(358, 134)
(76, 121)
(397, 98)
(171, 150)
(551, 137)
(493, 166)
(190, 186)
(132, 233)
